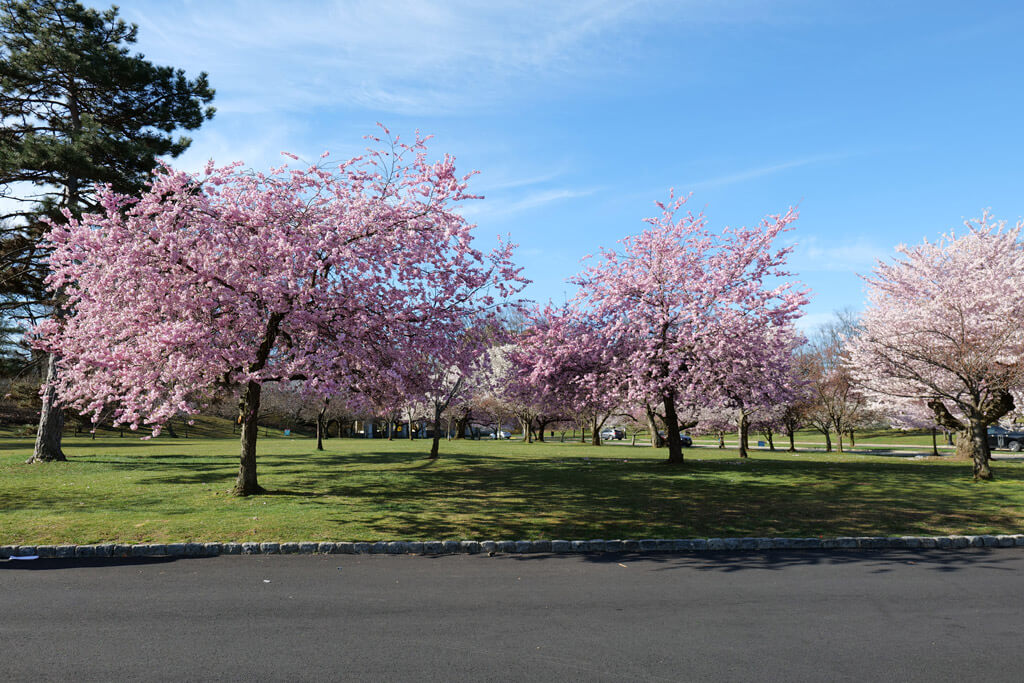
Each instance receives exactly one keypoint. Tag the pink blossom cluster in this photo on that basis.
(565, 364)
(943, 322)
(696, 316)
(341, 278)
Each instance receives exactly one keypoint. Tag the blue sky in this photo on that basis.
(885, 122)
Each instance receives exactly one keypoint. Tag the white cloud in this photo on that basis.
(406, 57)
(500, 208)
(810, 322)
(859, 256)
(752, 173)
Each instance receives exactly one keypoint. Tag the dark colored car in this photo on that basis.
(684, 439)
(1000, 437)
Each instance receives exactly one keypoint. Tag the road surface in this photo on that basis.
(777, 616)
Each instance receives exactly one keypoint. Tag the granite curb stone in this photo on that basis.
(561, 546)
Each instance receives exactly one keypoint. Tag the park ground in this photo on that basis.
(121, 489)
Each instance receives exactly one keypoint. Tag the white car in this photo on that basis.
(500, 435)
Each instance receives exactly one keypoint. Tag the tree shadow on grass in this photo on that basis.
(402, 494)
(646, 499)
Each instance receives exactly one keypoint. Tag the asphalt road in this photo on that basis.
(779, 616)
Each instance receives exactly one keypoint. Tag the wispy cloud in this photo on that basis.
(491, 209)
(406, 57)
(810, 322)
(858, 257)
(761, 171)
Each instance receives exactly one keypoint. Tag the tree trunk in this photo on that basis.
(321, 425)
(460, 427)
(979, 449)
(744, 434)
(791, 433)
(435, 446)
(721, 439)
(246, 484)
(652, 425)
(853, 442)
(541, 425)
(828, 442)
(771, 439)
(249, 409)
(527, 434)
(675, 444)
(51, 421)
(935, 444)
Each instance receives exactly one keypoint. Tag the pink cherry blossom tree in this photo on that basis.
(679, 298)
(231, 279)
(943, 325)
(564, 364)
(757, 377)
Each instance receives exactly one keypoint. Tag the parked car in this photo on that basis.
(613, 433)
(500, 435)
(1001, 437)
(683, 438)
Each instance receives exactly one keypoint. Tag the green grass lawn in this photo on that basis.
(868, 439)
(166, 490)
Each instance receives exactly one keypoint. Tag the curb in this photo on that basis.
(659, 545)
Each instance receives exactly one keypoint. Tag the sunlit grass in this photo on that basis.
(125, 490)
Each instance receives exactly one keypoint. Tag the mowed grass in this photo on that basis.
(175, 490)
(882, 439)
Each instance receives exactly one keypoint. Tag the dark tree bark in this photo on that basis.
(246, 484)
(980, 450)
(527, 432)
(791, 433)
(972, 442)
(461, 425)
(435, 445)
(321, 426)
(744, 434)
(652, 425)
(675, 444)
(542, 424)
(51, 421)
